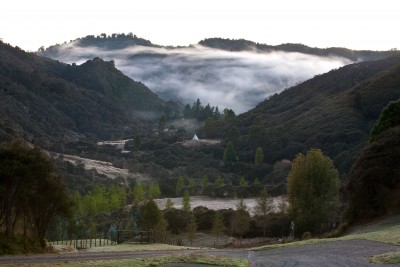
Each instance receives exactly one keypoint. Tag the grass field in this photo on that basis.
(144, 262)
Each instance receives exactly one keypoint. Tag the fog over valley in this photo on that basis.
(237, 80)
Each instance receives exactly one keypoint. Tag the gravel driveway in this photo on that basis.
(327, 254)
(338, 253)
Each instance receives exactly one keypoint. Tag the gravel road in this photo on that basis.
(335, 254)
(338, 253)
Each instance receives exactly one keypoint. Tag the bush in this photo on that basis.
(177, 220)
(306, 236)
(18, 245)
(338, 231)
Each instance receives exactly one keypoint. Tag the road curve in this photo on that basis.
(327, 254)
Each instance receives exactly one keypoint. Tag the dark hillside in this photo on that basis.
(110, 42)
(102, 77)
(245, 45)
(374, 181)
(49, 102)
(333, 111)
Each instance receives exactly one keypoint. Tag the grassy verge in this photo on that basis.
(386, 232)
(144, 262)
(136, 247)
(387, 258)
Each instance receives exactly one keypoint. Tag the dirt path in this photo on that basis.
(338, 253)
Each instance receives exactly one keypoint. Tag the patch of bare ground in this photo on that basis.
(200, 142)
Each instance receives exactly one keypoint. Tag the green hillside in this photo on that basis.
(246, 45)
(49, 102)
(373, 186)
(334, 111)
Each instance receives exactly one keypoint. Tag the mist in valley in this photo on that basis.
(236, 80)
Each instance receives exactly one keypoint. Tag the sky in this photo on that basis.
(361, 25)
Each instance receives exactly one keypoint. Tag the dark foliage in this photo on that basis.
(333, 111)
(389, 118)
(48, 102)
(113, 41)
(177, 220)
(244, 45)
(18, 245)
(200, 112)
(31, 195)
(374, 181)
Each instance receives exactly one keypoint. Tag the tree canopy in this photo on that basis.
(313, 185)
(390, 117)
(29, 190)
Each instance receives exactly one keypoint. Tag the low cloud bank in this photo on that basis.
(237, 80)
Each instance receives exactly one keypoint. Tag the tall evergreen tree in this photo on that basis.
(259, 157)
(263, 207)
(191, 229)
(154, 191)
(161, 125)
(180, 184)
(209, 128)
(218, 225)
(241, 219)
(186, 201)
(151, 215)
(229, 153)
(137, 142)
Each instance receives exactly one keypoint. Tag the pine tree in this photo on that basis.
(218, 225)
(242, 182)
(138, 192)
(180, 184)
(161, 230)
(154, 191)
(151, 215)
(263, 207)
(137, 142)
(192, 182)
(169, 204)
(241, 219)
(229, 153)
(219, 181)
(186, 202)
(259, 157)
(191, 229)
(205, 181)
(161, 125)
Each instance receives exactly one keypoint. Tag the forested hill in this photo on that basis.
(245, 45)
(120, 41)
(333, 111)
(112, 42)
(46, 101)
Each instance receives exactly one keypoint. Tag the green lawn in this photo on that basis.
(143, 262)
(387, 258)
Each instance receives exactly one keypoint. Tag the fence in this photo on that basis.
(80, 242)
